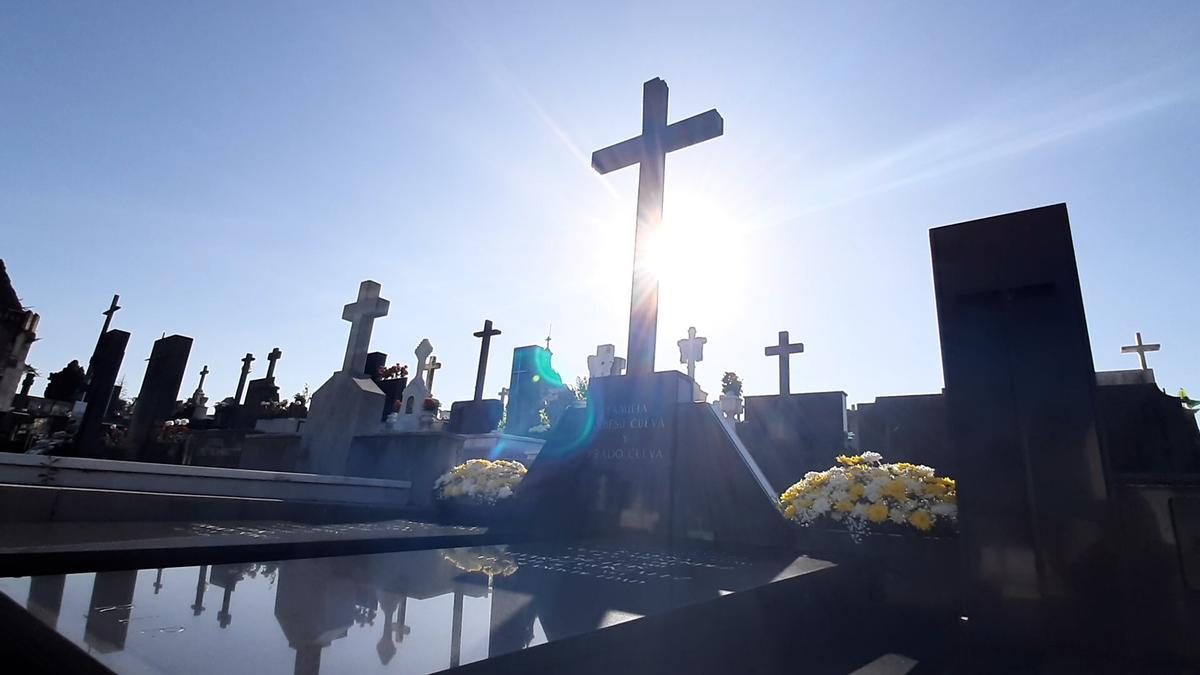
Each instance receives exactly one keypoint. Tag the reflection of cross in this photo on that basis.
(1140, 349)
(691, 350)
(423, 350)
(271, 359)
(503, 397)
(198, 605)
(224, 616)
(649, 151)
(158, 581)
(362, 314)
(784, 351)
(237, 397)
(485, 335)
(430, 368)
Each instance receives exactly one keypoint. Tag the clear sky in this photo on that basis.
(233, 170)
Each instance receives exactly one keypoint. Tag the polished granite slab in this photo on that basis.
(404, 612)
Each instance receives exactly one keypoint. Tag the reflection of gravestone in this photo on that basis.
(348, 403)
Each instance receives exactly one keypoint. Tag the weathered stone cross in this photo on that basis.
(1140, 349)
(271, 359)
(203, 374)
(486, 336)
(432, 366)
(649, 151)
(784, 350)
(422, 352)
(503, 396)
(691, 350)
(246, 360)
(362, 314)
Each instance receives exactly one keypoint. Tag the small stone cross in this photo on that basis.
(691, 350)
(486, 336)
(362, 314)
(271, 359)
(503, 396)
(422, 352)
(432, 366)
(203, 374)
(784, 350)
(1140, 349)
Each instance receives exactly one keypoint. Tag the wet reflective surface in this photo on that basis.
(409, 612)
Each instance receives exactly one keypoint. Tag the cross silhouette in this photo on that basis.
(503, 396)
(649, 151)
(271, 359)
(432, 366)
(237, 397)
(108, 313)
(486, 336)
(423, 350)
(362, 314)
(1140, 349)
(203, 374)
(784, 350)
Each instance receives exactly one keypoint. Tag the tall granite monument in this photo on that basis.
(157, 398)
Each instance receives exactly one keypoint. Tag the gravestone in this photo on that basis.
(478, 416)
(605, 362)
(643, 461)
(106, 363)
(392, 388)
(156, 400)
(532, 382)
(794, 434)
(199, 400)
(906, 429)
(241, 385)
(348, 403)
(1020, 406)
(1146, 431)
(415, 392)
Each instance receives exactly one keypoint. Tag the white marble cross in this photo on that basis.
(605, 362)
(422, 352)
(691, 350)
(1140, 349)
(362, 314)
(430, 368)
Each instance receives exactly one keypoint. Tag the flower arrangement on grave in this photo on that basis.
(731, 384)
(480, 481)
(173, 430)
(392, 372)
(494, 561)
(297, 408)
(863, 494)
(431, 404)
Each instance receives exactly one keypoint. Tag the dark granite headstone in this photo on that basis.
(791, 435)
(156, 400)
(643, 461)
(906, 429)
(106, 363)
(533, 381)
(1021, 409)
(259, 393)
(475, 417)
(1147, 431)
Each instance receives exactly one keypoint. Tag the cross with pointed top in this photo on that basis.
(430, 367)
(246, 360)
(272, 357)
(784, 350)
(486, 336)
(1140, 349)
(649, 152)
(362, 314)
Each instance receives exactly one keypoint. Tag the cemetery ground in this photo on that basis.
(1033, 516)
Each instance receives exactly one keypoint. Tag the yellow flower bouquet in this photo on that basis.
(494, 561)
(480, 481)
(863, 494)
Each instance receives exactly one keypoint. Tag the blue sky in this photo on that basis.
(233, 170)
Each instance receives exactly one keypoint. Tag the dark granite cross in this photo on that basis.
(430, 367)
(271, 359)
(649, 151)
(1140, 349)
(362, 314)
(108, 313)
(203, 374)
(237, 397)
(784, 350)
(486, 336)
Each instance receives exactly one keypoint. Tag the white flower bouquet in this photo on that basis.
(480, 480)
(494, 561)
(864, 494)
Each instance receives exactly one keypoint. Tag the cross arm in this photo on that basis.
(623, 154)
(696, 129)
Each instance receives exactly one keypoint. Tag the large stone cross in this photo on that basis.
(108, 313)
(431, 367)
(649, 151)
(691, 350)
(486, 336)
(1140, 349)
(246, 360)
(784, 350)
(203, 375)
(362, 314)
(272, 357)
